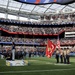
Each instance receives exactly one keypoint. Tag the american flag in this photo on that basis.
(58, 43)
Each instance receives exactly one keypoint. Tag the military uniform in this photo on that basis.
(64, 56)
(67, 56)
(57, 56)
(61, 56)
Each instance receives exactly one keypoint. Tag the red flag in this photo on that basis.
(50, 49)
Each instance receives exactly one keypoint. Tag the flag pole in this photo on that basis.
(58, 43)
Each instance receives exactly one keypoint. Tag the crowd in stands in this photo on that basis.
(36, 51)
(33, 41)
(21, 40)
(36, 30)
(46, 20)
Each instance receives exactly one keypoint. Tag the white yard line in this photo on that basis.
(37, 71)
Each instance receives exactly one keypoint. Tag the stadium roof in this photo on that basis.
(22, 9)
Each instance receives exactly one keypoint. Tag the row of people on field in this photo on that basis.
(62, 56)
(23, 53)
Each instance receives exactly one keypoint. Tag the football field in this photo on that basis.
(39, 66)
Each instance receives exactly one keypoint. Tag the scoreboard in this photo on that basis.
(69, 34)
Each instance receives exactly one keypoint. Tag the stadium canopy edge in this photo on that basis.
(43, 2)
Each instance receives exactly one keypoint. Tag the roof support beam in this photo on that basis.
(7, 9)
(62, 9)
(33, 9)
(47, 8)
(71, 6)
(20, 8)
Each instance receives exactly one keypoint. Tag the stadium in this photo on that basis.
(37, 37)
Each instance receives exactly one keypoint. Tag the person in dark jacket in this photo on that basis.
(57, 56)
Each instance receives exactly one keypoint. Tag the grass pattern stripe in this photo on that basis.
(37, 71)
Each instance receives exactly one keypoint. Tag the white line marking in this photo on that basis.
(37, 71)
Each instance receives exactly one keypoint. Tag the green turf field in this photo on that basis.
(39, 66)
